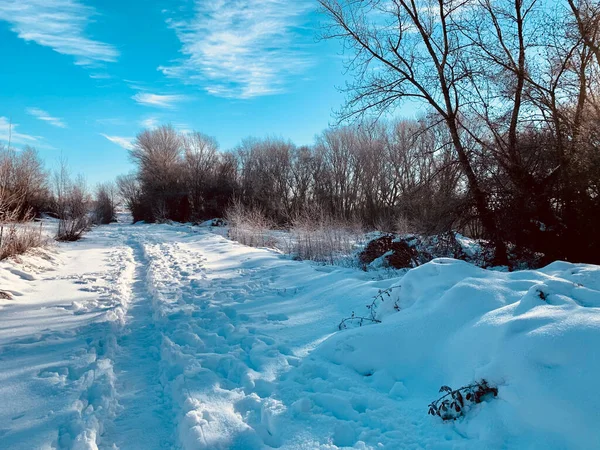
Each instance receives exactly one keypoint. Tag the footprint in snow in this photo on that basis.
(20, 273)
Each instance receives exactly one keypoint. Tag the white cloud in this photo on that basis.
(124, 142)
(136, 85)
(240, 48)
(60, 25)
(160, 101)
(8, 132)
(100, 76)
(150, 122)
(43, 115)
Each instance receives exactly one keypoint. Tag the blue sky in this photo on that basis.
(81, 78)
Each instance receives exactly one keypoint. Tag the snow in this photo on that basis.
(170, 336)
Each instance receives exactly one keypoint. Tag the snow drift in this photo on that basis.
(533, 334)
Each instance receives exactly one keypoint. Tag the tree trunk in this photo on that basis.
(486, 215)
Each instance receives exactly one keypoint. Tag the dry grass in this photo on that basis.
(316, 236)
(249, 226)
(18, 238)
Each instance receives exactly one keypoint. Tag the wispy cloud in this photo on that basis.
(43, 115)
(150, 122)
(136, 85)
(124, 142)
(60, 25)
(240, 48)
(160, 101)
(100, 76)
(8, 132)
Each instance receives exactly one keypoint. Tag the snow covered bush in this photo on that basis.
(394, 251)
(454, 403)
(405, 251)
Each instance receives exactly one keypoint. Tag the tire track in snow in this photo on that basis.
(144, 420)
(92, 372)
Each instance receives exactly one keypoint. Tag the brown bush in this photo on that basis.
(18, 237)
(403, 253)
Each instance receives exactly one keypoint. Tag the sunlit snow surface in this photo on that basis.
(162, 336)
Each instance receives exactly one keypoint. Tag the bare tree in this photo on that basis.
(409, 49)
(265, 167)
(72, 204)
(160, 173)
(587, 17)
(105, 207)
(201, 163)
(130, 193)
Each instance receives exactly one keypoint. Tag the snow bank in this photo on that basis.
(534, 334)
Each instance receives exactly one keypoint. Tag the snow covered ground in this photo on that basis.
(170, 336)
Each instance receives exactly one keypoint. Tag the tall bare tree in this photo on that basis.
(201, 163)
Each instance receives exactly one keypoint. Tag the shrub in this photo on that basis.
(71, 206)
(18, 237)
(317, 236)
(105, 205)
(372, 307)
(249, 226)
(454, 403)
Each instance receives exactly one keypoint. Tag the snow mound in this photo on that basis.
(533, 334)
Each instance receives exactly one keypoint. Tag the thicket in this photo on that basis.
(377, 174)
(105, 203)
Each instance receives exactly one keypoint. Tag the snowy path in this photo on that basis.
(171, 337)
(138, 383)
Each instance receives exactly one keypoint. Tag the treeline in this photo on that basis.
(382, 175)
